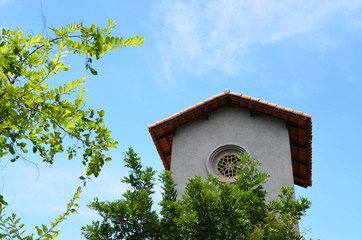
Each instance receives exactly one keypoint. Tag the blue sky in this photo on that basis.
(304, 55)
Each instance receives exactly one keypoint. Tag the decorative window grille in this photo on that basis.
(223, 162)
(226, 166)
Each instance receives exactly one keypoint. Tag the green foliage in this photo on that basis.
(208, 209)
(131, 217)
(32, 113)
(37, 117)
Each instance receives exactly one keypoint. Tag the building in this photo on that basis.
(206, 138)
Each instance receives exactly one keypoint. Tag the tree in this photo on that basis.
(49, 120)
(208, 209)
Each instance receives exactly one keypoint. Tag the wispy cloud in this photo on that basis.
(203, 37)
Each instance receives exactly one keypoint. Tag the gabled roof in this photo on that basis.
(299, 125)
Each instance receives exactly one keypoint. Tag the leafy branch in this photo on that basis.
(11, 228)
(37, 117)
(28, 107)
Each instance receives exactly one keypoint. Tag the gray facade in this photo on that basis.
(263, 137)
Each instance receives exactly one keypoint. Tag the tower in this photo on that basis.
(207, 137)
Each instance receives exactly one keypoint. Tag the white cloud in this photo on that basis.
(202, 37)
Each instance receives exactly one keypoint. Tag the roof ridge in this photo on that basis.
(256, 100)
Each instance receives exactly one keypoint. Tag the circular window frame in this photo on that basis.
(217, 154)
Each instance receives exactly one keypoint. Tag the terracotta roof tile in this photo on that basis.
(306, 115)
(280, 107)
(235, 94)
(289, 110)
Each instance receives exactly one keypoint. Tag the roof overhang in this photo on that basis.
(299, 125)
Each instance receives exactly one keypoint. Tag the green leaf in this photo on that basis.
(38, 37)
(45, 229)
(111, 22)
(12, 150)
(101, 113)
(40, 232)
(58, 32)
(93, 71)
(55, 234)
(2, 201)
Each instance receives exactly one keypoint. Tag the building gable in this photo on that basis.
(298, 124)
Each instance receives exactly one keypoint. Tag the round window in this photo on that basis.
(226, 166)
(223, 162)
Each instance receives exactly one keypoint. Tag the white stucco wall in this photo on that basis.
(263, 137)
